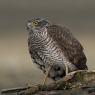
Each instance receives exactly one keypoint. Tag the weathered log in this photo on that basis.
(82, 81)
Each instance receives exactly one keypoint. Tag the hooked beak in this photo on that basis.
(28, 26)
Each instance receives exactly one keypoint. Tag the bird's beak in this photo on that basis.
(28, 26)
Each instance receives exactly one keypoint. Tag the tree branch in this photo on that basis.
(77, 79)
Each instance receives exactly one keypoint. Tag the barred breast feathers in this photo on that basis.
(48, 49)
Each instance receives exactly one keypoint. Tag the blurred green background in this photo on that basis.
(16, 67)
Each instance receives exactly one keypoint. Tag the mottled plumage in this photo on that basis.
(55, 44)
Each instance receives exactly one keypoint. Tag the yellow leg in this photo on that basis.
(66, 66)
(47, 73)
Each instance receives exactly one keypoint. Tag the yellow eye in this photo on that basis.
(35, 23)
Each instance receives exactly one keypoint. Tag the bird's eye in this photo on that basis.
(35, 23)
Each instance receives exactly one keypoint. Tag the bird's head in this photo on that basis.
(37, 24)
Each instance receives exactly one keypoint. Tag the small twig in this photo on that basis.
(14, 90)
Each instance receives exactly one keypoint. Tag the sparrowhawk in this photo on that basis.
(54, 45)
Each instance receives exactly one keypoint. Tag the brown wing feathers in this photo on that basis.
(68, 44)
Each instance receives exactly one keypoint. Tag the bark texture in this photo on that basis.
(80, 82)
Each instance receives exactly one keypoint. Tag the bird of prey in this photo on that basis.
(54, 46)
